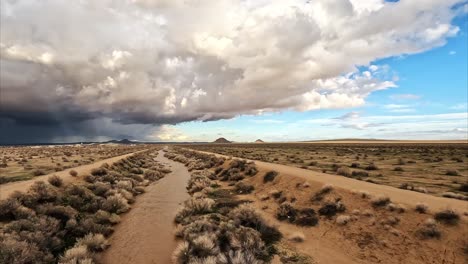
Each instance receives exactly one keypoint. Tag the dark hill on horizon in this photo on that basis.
(221, 140)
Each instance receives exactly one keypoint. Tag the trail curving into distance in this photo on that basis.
(146, 234)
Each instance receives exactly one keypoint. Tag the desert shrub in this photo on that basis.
(421, 208)
(103, 217)
(73, 173)
(390, 221)
(152, 175)
(371, 166)
(297, 237)
(93, 242)
(344, 171)
(55, 181)
(38, 172)
(359, 174)
(115, 204)
(447, 216)
(306, 217)
(15, 250)
(136, 170)
(77, 254)
(463, 187)
(181, 254)
(251, 170)
(270, 176)
(276, 194)
(286, 211)
(331, 208)
(380, 201)
(12, 209)
(364, 194)
(454, 196)
(195, 207)
(343, 219)
(396, 208)
(452, 173)
(243, 188)
(246, 216)
(398, 169)
(99, 171)
(428, 230)
(326, 189)
(355, 165)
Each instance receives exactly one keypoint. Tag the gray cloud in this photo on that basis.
(149, 63)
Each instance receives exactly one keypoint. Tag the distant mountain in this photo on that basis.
(221, 140)
(259, 141)
(123, 141)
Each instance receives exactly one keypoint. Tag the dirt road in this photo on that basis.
(395, 194)
(146, 234)
(22, 186)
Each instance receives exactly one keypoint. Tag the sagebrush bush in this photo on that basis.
(78, 254)
(421, 208)
(93, 242)
(372, 166)
(452, 173)
(73, 173)
(331, 208)
(447, 216)
(243, 188)
(99, 171)
(115, 204)
(344, 171)
(380, 201)
(55, 181)
(297, 237)
(270, 176)
(428, 230)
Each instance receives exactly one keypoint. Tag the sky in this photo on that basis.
(196, 70)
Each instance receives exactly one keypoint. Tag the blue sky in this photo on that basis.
(430, 102)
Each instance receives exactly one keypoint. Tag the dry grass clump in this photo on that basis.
(99, 171)
(447, 216)
(364, 194)
(73, 173)
(330, 208)
(38, 172)
(371, 166)
(344, 171)
(320, 194)
(421, 208)
(297, 237)
(194, 207)
(270, 176)
(428, 230)
(243, 188)
(399, 208)
(55, 180)
(455, 196)
(343, 219)
(47, 220)
(380, 201)
(452, 173)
